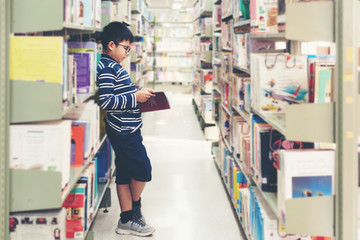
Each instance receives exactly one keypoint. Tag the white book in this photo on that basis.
(42, 146)
(277, 81)
(304, 173)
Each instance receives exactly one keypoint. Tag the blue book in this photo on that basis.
(104, 162)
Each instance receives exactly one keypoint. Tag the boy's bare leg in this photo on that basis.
(124, 196)
(136, 189)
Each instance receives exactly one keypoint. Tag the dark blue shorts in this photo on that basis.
(131, 157)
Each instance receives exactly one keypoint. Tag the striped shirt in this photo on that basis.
(117, 96)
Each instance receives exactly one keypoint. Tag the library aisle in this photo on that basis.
(186, 198)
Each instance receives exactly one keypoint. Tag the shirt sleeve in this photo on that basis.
(107, 99)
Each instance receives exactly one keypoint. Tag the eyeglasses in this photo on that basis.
(127, 48)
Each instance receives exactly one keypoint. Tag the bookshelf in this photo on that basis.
(47, 16)
(203, 73)
(37, 101)
(346, 117)
(173, 49)
(140, 25)
(308, 122)
(4, 118)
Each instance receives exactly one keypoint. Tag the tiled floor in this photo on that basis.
(186, 199)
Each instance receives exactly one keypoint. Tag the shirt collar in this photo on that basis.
(108, 57)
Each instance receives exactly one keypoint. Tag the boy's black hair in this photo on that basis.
(116, 32)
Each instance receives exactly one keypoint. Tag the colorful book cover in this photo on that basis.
(82, 72)
(76, 209)
(323, 90)
(279, 80)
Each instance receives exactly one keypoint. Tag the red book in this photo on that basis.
(311, 82)
(159, 102)
(77, 146)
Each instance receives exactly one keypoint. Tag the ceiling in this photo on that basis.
(167, 4)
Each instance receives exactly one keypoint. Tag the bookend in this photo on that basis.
(106, 201)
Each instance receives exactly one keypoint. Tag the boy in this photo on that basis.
(118, 95)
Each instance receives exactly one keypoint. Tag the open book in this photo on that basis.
(159, 102)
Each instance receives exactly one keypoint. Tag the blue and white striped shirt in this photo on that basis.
(117, 96)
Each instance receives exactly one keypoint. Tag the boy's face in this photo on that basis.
(118, 51)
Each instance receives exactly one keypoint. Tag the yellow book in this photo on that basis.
(36, 58)
(235, 184)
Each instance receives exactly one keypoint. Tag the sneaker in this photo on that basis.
(134, 227)
(138, 214)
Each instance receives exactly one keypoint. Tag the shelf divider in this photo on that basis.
(34, 190)
(318, 25)
(313, 216)
(43, 101)
(310, 122)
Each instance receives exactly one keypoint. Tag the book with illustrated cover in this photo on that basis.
(159, 102)
(304, 173)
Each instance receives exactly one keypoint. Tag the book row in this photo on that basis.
(57, 145)
(174, 45)
(51, 60)
(203, 78)
(115, 11)
(173, 76)
(201, 7)
(261, 16)
(78, 210)
(172, 17)
(83, 12)
(276, 80)
(173, 31)
(139, 25)
(169, 61)
(296, 179)
(203, 26)
(70, 64)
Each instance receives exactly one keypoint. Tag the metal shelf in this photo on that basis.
(245, 23)
(318, 25)
(276, 120)
(242, 113)
(46, 16)
(268, 36)
(40, 190)
(227, 18)
(242, 69)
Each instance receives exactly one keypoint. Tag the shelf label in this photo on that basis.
(349, 134)
(349, 54)
(349, 100)
(348, 78)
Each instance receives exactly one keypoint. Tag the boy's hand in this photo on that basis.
(144, 94)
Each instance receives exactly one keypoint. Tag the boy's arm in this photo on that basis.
(107, 99)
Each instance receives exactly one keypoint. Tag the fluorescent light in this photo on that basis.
(176, 5)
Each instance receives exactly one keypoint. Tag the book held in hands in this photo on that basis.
(159, 102)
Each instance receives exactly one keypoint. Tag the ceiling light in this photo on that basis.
(176, 5)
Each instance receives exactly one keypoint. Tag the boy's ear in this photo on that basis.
(111, 45)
